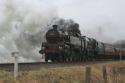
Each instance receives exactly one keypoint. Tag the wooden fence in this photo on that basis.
(108, 75)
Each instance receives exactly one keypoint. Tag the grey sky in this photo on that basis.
(109, 15)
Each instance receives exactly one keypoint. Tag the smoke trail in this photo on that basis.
(21, 28)
(67, 25)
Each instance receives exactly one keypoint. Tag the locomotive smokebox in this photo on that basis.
(53, 36)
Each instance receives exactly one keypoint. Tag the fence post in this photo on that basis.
(15, 55)
(105, 74)
(114, 73)
(88, 75)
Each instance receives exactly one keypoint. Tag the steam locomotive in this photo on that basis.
(71, 46)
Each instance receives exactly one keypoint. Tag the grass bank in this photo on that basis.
(74, 74)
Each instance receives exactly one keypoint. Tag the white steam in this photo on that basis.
(21, 27)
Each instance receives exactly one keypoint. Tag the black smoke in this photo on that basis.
(67, 25)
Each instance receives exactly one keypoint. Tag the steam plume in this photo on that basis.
(21, 22)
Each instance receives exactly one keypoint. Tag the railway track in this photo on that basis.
(38, 65)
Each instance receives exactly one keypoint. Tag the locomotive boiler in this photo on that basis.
(69, 45)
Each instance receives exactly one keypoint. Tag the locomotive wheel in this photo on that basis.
(60, 57)
(66, 57)
(55, 58)
(63, 59)
(46, 58)
(72, 56)
(82, 56)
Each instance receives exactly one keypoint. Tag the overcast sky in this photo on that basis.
(100, 19)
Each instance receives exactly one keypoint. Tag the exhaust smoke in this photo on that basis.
(22, 25)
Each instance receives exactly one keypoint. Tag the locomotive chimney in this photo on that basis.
(55, 27)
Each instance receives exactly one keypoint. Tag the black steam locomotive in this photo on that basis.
(70, 45)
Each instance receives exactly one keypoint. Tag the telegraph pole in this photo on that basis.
(15, 55)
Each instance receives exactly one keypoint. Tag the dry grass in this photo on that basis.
(74, 74)
(6, 77)
(55, 75)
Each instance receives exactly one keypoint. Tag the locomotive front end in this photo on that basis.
(53, 45)
(53, 36)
